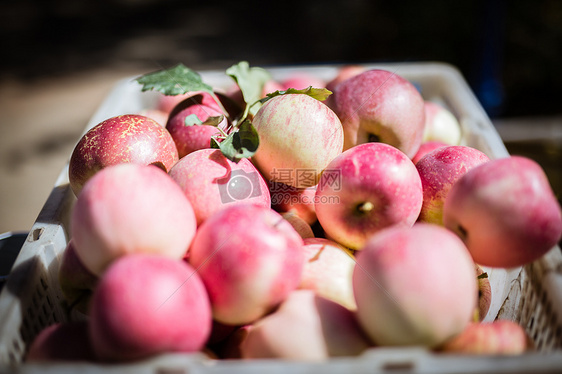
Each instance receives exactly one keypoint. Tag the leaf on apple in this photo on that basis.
(250, 80)
(240, 144)
(193, 120)
(320, 94)
(174, 81)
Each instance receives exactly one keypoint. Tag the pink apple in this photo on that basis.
(62, 341)
(301, 81)
(344, 72)
(76, 281)
(379, 105)
(328, 271)
(441, 125)
(305, 327)
(157, 115)
(299, 136)
(414, 286)
(299, 224)
(285, 198)
(500, 337)
(365, 189)
(191, 136)
(439, 170)
(128, 138)
(427, 147)
(212, 182)
(130, 208)
(249, 258)
(505, 211)
(166, 103)
(146, 305)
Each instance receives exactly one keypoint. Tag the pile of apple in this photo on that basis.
(290, 227)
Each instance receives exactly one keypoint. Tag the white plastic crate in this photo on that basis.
(532, 295)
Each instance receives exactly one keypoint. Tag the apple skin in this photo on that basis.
(441, 125)
(298, 134)
(62, 341)
(379, 187)
(439, 170)
(129, 138)
(130, 208)
(427, 147)
(208, 179)
(345, 72)
(149, 304)
(484, 293)
(305, 327)
(285, 198)
(247, 272)
(505, 212)
(500, 337)
(419, 292)
(192, 138)
(76, 281)
(379, 104)
(299, 224)
(301, 81)
(328, 271)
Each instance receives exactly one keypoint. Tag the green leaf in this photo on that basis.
(317, 93)
(174, 81)
(213, 121)
(192, 120)
(251, 82)
(240, 144)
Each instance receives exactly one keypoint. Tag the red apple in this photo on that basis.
(191, 136)
(365, 189)
(439, 170)
(249, 258)
(427, 147)
(505, 211)
(76, 281)
(344, 72)
(285, 198)
(130, 208)
(328, 271)
(414, 286)
(441, 125)
(299, 136)
(62, 341)
(211, 182)
(500, 337)
(301, 81)
(130, 138)
(305, 327)
(166, 103)
(379, 105)
(146, 305)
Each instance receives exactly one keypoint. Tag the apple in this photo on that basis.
(484, 292)
(365, 189)
(192, 136)
(427, 147)
(343, 73)
(155, 114)
(285, 198)
(212, 182)
(62, 341)
(130, 208)
(129, 138)
(302, 80)
(328, 271)
(439, 170)
(76, 281)
(146, 305)
(505, 212)
(441, 125)
(249, 258)
(380, 105)
(299, 136)
(166, 103)
(306, 327)
(500, 337)
(299, 224)
(414, 286)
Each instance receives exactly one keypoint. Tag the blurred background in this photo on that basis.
(60, 58)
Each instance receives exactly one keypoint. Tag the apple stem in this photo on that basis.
(365, 207)
(373, 138)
